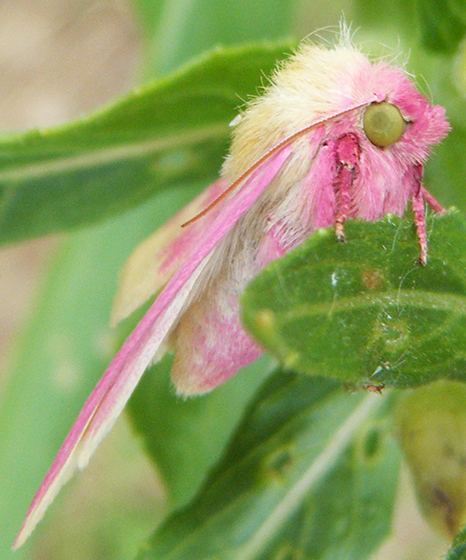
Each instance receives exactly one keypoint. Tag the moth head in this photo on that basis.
(383, 124)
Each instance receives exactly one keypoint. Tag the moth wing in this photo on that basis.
(153, 262)
(114, 388)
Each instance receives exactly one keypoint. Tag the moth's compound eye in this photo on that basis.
(383, 124)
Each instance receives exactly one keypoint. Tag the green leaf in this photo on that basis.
(458, 548)
(443, 24)
(160, 135)
(364, 311)
(431, 424)
(184, 438)
(301, 479)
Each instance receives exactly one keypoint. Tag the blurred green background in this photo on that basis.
(60, 59)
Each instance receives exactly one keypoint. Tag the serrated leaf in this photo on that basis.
(364, 311)
(163, 133)
(431, 426)
(301, 478)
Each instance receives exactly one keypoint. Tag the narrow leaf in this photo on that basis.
(159, 135)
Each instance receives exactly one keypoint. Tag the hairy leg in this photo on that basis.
(419, 197)
(432, 201)
(347, 153)
(420, 224)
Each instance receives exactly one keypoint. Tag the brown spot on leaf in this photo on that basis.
(372, 278)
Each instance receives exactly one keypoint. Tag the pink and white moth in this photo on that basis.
(334, 136)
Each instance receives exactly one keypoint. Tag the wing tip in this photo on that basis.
(25, 531)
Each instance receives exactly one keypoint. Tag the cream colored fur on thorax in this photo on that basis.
(314, 82)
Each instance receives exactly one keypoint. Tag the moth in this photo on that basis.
(333, 137)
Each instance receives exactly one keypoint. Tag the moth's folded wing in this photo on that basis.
(153, 262)
(109, 397)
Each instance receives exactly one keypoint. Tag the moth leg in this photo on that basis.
(347, 152)
(432, 201)
(420, 224)
(417, 201)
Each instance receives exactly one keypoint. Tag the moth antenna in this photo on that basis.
(285, 142)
